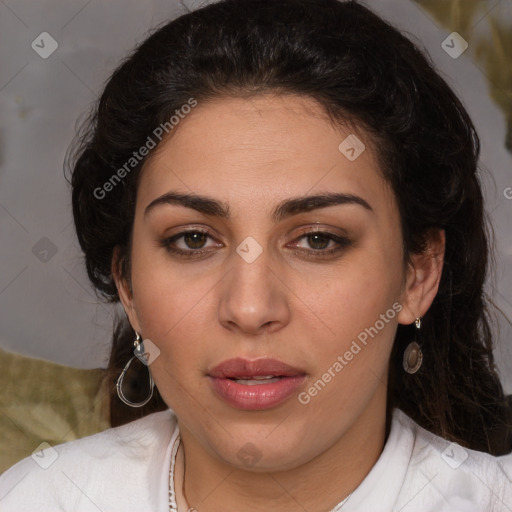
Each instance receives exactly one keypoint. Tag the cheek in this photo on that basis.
(168, 304)
(358, 309)
(352, 296)
(357, 318)
(166, 294)
(171, 310)
(351, 364)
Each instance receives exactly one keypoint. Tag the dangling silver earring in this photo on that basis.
(139, 354)
(413, 356)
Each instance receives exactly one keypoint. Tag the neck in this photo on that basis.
(319, 484)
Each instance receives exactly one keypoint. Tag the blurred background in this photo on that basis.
(55, 57)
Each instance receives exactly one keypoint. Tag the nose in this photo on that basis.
(254, 298)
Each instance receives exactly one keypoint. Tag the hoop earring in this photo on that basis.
(413, 356)
(139, 354)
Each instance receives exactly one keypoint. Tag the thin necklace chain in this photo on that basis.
(173, 506)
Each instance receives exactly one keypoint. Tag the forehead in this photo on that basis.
(261, 149)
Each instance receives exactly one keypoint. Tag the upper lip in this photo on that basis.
(238, 368)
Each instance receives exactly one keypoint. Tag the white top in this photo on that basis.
(126, 469)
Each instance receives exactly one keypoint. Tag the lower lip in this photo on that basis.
(259, 396)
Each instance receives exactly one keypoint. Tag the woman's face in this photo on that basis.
(294, 253)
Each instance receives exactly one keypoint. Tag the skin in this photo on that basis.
(253, 154)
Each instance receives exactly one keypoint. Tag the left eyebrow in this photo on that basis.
(298, 205)
(287, 208)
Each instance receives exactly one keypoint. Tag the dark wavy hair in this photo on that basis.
(362, 70)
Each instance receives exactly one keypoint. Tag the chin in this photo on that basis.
(264, 451)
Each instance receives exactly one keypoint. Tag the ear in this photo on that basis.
(124, 290)
(423, 277)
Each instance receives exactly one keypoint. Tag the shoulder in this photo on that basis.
(443, 475)
(93, 471)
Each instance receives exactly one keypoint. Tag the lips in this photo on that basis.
(240, 368)
(255, 385)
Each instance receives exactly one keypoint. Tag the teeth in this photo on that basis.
(254, 381)
(256, 377)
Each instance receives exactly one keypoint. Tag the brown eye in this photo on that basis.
(321, 244)
(195, 239)
(318, 241)
(190, 244)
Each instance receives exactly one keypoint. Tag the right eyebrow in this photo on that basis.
(202, 204)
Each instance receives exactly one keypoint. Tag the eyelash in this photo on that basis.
(342, 242)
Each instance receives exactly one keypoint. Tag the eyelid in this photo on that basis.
(323, 229)
(192, 228)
